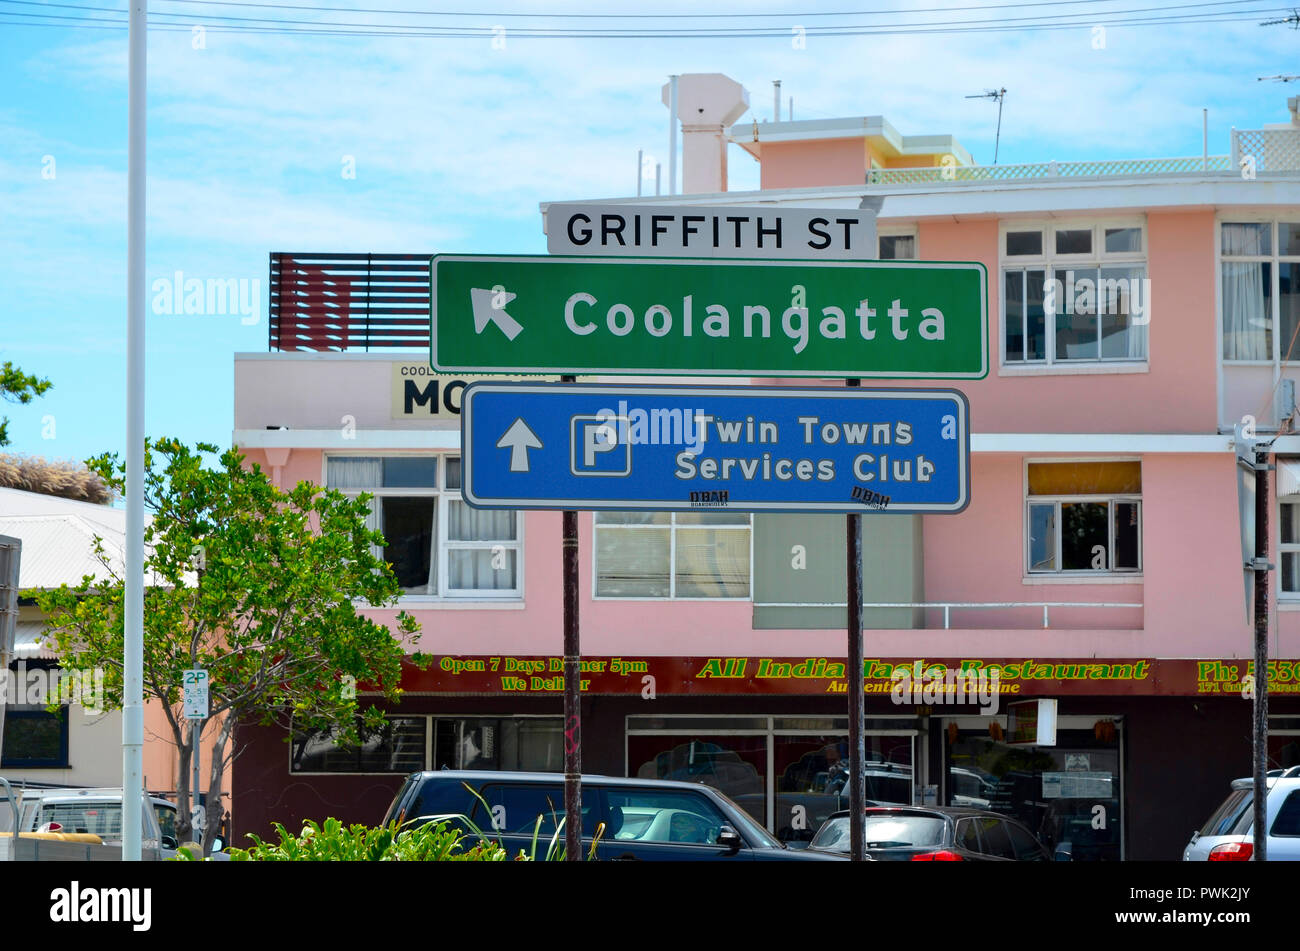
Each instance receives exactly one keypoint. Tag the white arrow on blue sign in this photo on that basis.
(744, 448)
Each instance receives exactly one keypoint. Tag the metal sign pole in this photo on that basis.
(857, 739)
(1259, 707)
(572, 689)
(133, 606)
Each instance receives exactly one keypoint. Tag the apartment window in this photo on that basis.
(35, 738)
(1260, 271)
(1084, 517)
(897, 247)
(438, 546)
(1074, 294)
(702, 554)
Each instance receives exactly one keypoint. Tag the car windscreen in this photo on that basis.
(883, 832)
(1228, 814)
(748, 828)
(391, 814)
(103, 819)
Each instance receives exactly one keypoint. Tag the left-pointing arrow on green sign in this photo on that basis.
(489, 308)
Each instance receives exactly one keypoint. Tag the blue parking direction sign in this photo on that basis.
(743, 448)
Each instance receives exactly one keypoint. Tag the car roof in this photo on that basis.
(953, 812)
(498, 776)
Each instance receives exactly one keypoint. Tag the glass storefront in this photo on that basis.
(1283, 742)
(1070, 795)
(789, 773)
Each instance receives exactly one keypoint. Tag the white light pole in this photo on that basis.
(133, 649)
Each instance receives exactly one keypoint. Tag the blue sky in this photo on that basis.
(456, 142)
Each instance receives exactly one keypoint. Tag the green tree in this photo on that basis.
(17, 387)
(256, 585)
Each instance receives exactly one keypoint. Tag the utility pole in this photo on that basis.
(1252, 480)
(1259, 703)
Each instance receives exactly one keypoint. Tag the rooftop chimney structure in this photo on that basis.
(707, 105)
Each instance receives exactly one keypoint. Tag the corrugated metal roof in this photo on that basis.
(58, 538)
(27, 644)
(60, 549)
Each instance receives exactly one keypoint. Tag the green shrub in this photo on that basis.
(331, 842)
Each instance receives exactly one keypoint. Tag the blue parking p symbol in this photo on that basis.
(598, 446)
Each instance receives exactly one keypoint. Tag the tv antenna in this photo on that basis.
(1293, 19)
(1278, 79)
(999, 95)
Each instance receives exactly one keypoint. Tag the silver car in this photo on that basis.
(1228, 835)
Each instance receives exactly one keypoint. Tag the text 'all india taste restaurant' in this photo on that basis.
(714, 642)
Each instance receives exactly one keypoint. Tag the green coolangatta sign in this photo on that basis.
(593, 315)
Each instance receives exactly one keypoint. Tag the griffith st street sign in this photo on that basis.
(787, 318)
(683, 448)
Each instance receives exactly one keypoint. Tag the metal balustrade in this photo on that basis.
(956, 174)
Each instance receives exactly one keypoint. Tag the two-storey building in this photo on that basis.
(1137, 311)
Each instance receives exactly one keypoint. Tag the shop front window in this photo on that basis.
(531, 744)
(1068, 795)
(803, 760)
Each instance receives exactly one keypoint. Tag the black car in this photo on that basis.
(644, 819)
(933, 834)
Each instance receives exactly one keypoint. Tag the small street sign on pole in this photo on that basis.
(638, 316)
(195, 694)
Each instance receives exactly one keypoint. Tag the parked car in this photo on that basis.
(94, 812)
(644, 819)
(1228, 835)
(933, 834)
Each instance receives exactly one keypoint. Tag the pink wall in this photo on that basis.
(809, 164)
(1191, 588)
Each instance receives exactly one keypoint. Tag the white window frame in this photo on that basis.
(1111, 572)
(444, 497)
(671, 528)
(1274, 260)
(1049, 262)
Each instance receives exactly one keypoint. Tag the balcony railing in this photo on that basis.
(1266, 150)
(947, 606)
(349, 301)
(1049, 170)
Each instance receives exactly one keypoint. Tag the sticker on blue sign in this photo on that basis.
(740, 448)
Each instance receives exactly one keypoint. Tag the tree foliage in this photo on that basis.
(258, 586)
(17, 387)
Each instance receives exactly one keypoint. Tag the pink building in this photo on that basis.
(1137, 311)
